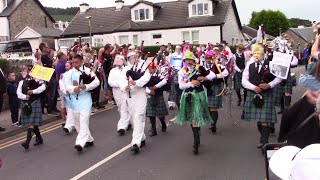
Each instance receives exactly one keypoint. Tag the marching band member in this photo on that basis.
(119, 96)
(29, 91)
(239, 66)
(176, 61)
(133, 81)
(215, 93)
(259, 105)
(194, 108)
(156, 106)
(79, 81)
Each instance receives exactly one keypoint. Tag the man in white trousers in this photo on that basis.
(119, 96)
(137, 101)
(80, 101)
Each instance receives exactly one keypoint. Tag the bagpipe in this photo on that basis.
(207, 84)
(85, 78)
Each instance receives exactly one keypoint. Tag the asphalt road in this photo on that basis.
(231, 154)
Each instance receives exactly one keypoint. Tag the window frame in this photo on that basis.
(192, 38)
(121, 43)
(133, 39)
(196, 5)
(146, 13)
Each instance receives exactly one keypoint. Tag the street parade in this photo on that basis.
(233, 102)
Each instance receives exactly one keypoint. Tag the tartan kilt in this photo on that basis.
(277, 93)
(237, 78)
(156, 107)
(214, 100)
(287, 88)
(35, 118)
(265, 114)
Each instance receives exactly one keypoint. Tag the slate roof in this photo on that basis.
(14, 4)
(171, 15)
(252, 33)
(305, 33)
(47, 32)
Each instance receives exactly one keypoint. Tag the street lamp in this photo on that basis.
(89, 18)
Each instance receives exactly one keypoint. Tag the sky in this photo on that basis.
(307, 9)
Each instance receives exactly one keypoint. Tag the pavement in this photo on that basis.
(231, 154)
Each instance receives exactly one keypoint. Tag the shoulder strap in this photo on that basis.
(224, 81)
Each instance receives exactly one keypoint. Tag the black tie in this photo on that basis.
(258, 67)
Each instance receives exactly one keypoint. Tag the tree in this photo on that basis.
(273, 21)
(295, 22)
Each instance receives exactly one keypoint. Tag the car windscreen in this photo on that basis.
(3, 47)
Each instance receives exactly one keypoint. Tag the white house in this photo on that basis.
(194, 21)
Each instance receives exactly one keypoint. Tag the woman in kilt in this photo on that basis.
(156, 106)
(29, 91)
(259, 105)
(239, 66)
(215, 91)
(194, 108)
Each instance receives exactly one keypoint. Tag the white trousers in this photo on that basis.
(81, 123)
(120, 99)
(69, 120)
(137, 108)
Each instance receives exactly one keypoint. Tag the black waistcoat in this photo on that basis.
(263, 76)
(240, 61)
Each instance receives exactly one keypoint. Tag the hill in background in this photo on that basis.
(60, 14)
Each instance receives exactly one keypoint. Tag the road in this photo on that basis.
(231, 154)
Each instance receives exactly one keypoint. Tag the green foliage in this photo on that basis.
(62, 17)
(59, 11)
(273, 21)
(295, 22)
(5, 65)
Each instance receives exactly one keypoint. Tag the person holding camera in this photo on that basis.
(259, 105)
(29, 91)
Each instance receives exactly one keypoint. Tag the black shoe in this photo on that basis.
(89, 144)
(164, 128)
(2, 129)
(129, 127)
(78, 148)
(143, 143)
(25, 145)
(38, 142)
(66, 130)
(153, 133)
(121, 132)
(135, 149)
(213, 129)
(195, 149)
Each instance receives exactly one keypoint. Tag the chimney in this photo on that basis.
(84, 7)
(119, 4)
(3, 5)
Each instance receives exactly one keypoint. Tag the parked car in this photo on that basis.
(15, 46)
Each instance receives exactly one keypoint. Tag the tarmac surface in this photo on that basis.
(231, 154)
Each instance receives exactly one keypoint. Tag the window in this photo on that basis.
(123, 40)
(98, 42)
(186, 36)
(157, 36)
(142, 14)
(195, 37)
(3, 38)
(135, 39)
(200, 9)
(194, 10)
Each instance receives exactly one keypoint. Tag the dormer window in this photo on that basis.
(141, 14)
(200, 9)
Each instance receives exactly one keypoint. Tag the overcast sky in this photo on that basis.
(307, 9)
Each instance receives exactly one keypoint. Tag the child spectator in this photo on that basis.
(13, 98)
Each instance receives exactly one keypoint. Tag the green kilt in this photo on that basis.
(195, 111)
(277, 93)
(265, 114)
(287, 88)
(156, 106)
(35, 118)
(237, 78)
(214, 100)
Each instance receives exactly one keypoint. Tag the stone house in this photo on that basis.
(16, 15)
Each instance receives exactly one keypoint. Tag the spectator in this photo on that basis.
(107, 57)
(71, 55)
(305, 55)
(13, 98)
(315, 52)
(51, 91)
(3, 86)
(311, 81)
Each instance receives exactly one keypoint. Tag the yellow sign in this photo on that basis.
(41, 72)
